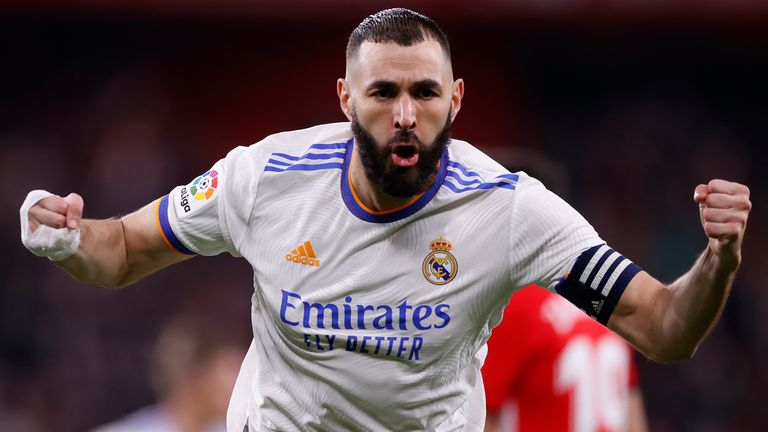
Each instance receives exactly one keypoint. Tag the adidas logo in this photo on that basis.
(597, 305)
(304, 254)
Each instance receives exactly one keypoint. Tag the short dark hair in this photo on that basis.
(401, 26)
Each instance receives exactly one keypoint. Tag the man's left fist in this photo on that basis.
(724, 209)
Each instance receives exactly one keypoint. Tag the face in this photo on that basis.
(380, 161)
(401, 102)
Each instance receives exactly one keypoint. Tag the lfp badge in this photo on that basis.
(203, 187)
(440, 267)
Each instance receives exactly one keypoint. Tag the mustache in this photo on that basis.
(405, 136)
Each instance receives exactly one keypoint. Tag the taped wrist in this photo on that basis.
(55, 243)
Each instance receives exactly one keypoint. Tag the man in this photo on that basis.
(551, 368)
(193, 370)
(383, 256)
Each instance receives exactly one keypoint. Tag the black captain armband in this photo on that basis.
(597, 280)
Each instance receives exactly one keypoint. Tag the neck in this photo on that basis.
(369, 194)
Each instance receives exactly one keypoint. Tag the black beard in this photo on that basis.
(398, 182)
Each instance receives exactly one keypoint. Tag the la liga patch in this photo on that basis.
(197, 194)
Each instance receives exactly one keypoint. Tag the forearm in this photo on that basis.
(667, 323)
(693, 304)
(117, 252)
(101, 258)
(111, 253)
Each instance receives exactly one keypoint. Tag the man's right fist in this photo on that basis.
(57, 212)
(50, 224)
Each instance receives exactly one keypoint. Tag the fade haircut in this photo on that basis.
(401, 26)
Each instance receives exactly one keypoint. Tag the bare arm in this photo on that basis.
(668, 322)
(112, 252)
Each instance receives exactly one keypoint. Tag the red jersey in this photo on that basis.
(552, 368)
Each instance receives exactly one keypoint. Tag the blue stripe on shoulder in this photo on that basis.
(165, 225)
(463, 169)
(304, 167)
(281, 162)
(513, 177)
(311, 156)
(469, 180)
(481, 186)
(278, 162)
(459, 179)
(340, 145)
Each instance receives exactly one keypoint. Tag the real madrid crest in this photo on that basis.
(440, 267)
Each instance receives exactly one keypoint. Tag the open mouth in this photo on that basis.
(405, 151)
(405, 155)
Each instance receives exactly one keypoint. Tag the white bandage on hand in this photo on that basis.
(55, 243)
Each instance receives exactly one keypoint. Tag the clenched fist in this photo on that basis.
(57, 212)
(50, 224)
(724, 209)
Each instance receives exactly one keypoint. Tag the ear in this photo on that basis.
(342, 89)
(456, 96)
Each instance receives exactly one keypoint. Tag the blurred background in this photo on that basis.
(621, 106)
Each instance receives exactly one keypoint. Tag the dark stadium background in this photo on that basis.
(621, 106)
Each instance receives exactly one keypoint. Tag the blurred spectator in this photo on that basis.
(194, 370)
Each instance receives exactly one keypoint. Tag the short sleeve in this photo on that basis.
(561, 251)
(547, 235)
(193, 218)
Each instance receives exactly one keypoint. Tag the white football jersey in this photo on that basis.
(368, 320)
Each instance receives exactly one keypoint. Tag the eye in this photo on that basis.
(425, 93)
(383, 94)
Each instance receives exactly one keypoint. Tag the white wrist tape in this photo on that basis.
(55, 243)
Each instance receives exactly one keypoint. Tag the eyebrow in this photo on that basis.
(384, 84)
(428, 83)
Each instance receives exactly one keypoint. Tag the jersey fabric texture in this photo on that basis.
(369, 320)
(550, 368)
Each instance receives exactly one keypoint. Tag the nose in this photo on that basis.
(405, 115)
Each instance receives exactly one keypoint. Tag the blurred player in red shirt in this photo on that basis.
(552, 368)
